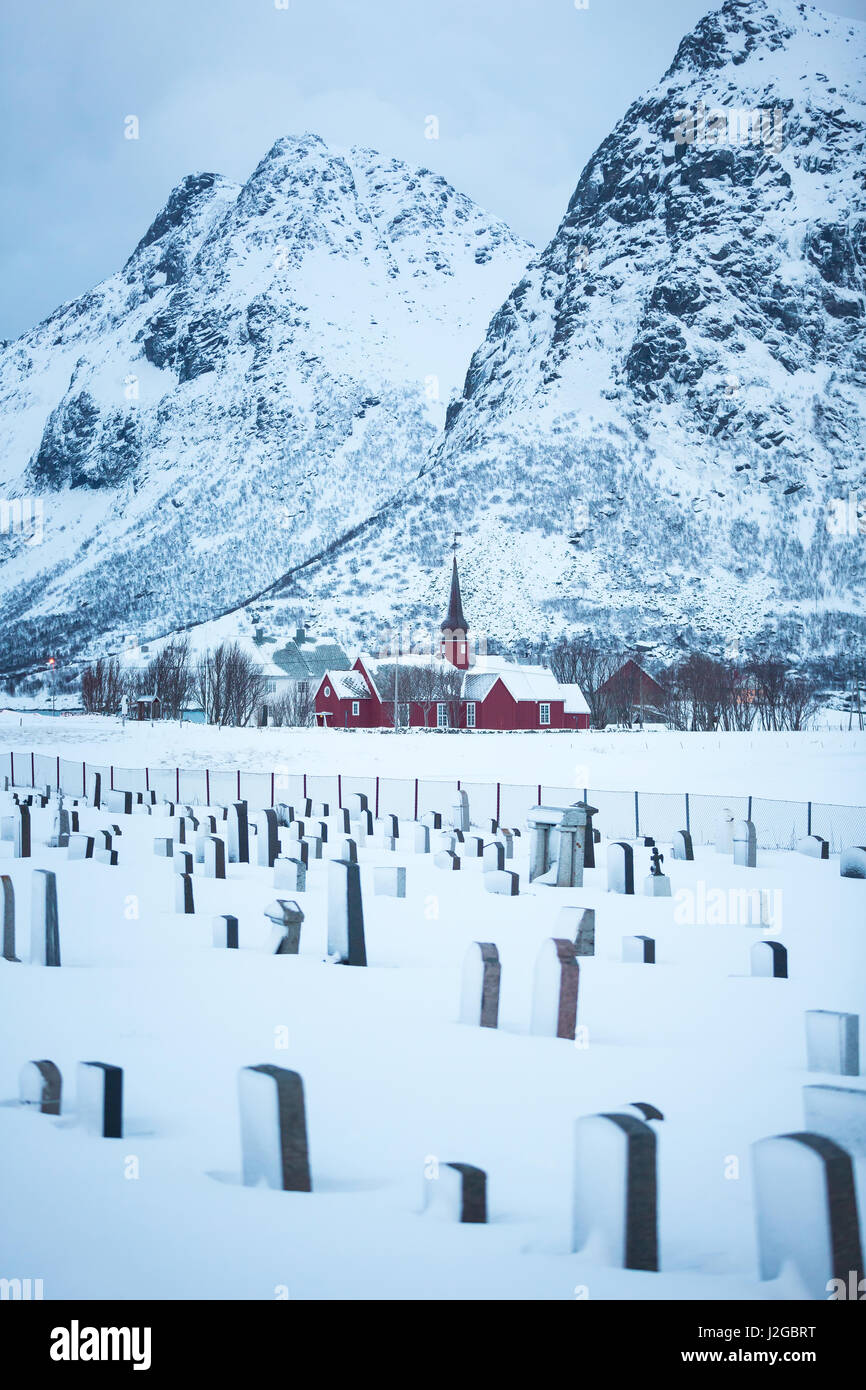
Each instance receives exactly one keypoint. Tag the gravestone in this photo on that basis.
(183, 896)
(814, 847)
(287, 918)
(745, 844)
(642, 1110)
(80, 847)
(839, 1113)
(100, 1099)
(457, 1193)
(479, 986)
(40, 1084)
(238, 833)
(725, 833)
(118, 801)
(769, 958)
(267, 838)
(682, 846)
(389, 883)
(21, 835)
(640, 949)
(313, 846)
(274, 1129)
(446, 859)
(390, 827)
(186, 828)
(806, 1210)
(44, 920)
(460, 812)
(852, 862)
(164, 847)
(297, 830)
(362, 828)
(319, 809)
(432, 819)
(94, 789)
(578, 924)
(506, 839)
(444, 841)
(556, 850)
(358, 802)
(183, 861)
(833, 1042)
(290, 873)
(616, 1190)
(7, 903)
(493, 856)
(620, 867)
(422, 839)
(554, 989)
(345, 913)
(656, 884)
(225, 932)
(320, 829)
(106, 856)
(346, 849)
(61, 829)
(285, 814)
(501, 881)
(214, 857)
(342, 821)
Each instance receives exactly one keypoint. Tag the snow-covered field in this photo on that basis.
(827, 765)
(392, 1080)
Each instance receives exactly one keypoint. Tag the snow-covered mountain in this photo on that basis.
(270, 366)
(652, 434)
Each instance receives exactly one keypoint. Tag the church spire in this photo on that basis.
(453, 646)
(454, 619)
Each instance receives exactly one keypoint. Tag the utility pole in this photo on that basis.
(397, 678)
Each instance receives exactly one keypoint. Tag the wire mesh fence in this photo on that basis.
(621, 814)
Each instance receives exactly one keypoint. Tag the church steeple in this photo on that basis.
(453, 645)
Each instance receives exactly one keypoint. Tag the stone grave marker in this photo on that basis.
(389, 883)
(345, 913)
(458, 1192)
(225, 932)
(682, 846)
(616, 1190)
(852, 862)
(640, 949)
(183, 895)
(479, 987)
(833, 1042)
(100, 1099)
(769, 958)
(40, 1084)
(814, 847)
(274, 1129)
(554, 990)
(287, 918)
(214, 857)
(745, 844)
(839, 1113)
(290, 873)
(620, 867)
(44, 919)
(7, 903)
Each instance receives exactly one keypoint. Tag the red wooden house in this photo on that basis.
(492, 693)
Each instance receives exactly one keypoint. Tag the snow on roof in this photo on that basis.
(348, 685)
(575, 700)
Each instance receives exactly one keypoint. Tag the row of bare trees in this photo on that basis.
(697, 693)
(424, 684)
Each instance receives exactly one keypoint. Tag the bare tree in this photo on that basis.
(295, 706)
(170, 676)
(578, 661)
(231, 685)
(102, 686)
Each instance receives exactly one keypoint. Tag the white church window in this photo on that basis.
(442, 716)
(544, 714)
(470, 714)
(356, 708)
(327, 691)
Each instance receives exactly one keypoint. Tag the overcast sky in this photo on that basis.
(523, 91)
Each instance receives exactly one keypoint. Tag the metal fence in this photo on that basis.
(622, 814)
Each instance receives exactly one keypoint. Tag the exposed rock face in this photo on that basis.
(269, 367)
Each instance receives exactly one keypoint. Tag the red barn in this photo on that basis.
(449, 691)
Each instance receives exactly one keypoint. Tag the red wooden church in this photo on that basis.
(490, 693)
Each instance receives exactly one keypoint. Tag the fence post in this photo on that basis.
(32, 769)
(415, 817)
(497, 803)
(339, 791)
(808, 818)
(84, 779)
(539, 794)
(305, 786)
(377, 798)
(636, 817)
(111, 776)
(207, 786)
(11, 768)
(688, 816)
(239, 785)
(177, 784)
(749, 811)
(272, 789)
(58, 772)
(147, 779)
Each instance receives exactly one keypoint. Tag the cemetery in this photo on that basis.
(307, 1042)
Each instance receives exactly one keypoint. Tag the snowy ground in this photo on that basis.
(827, 766)
(391, 1078)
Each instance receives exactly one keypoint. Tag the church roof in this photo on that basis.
(454, 618)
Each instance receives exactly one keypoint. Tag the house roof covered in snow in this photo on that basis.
(347, 685)
(302, 661)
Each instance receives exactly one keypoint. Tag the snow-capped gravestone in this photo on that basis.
(290, 873)
(432, 819)
(183, 894)
(479, 985)
(833, 1042)
(615, 1191)
(421, 839)
(119, 802)
(443, 842)
(493, 856)
(554, 989)
(346, 849)
(806, 1210)
(446, 859)
(80, 846)
(163, 847)
(100, 1099)
(358, 802)
(225, 932)
(620, 867)
(506, 839)
(44, 920)
(61, 829)
(769, 958)
(40, 1084)
(725, 833)
(238, 832)
(745, 844)
(456, 1192)
(682, 846)
(578, 923)
(814, 847)
(852, 862)
(94, 789)
(345, 914)
(639, 949)
(15, 833)
(274, 1129)
(285, 814)
(183, 861)
(214, 857)
(501, 881)
(839, 1113)
(656, 884)
(389, 883)
(556, 848)
(7, 906)
(287, 918)
(460, 812)
(186, 828)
